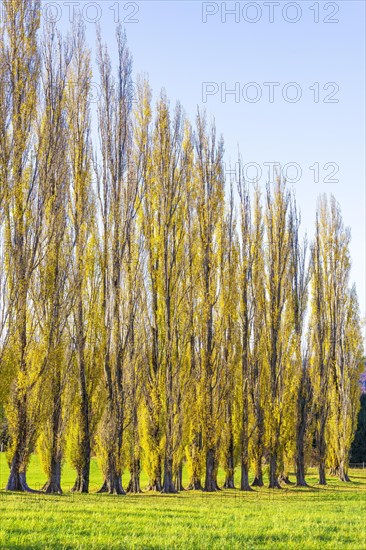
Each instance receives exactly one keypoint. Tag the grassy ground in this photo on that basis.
(316, 518)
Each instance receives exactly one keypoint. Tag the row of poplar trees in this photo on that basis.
(146, 319)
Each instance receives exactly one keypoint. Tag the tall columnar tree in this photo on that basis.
(24, 209)
(78, 119)
(348, 368)
(52, 301)
(210, 207)
(229, 329)
(244, 282)
(299, 281)
(257, 340)
(343, 337)
(277, 271)
(194, 448)
(151, 227)
(118, 191)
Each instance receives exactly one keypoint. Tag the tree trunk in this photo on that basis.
(211, 472)
(114, 484)
(82, 479)
(322, 476)
(229, 480)
(134, 483)
(17, 480)
(303, 399)
(53, 484)
(155, 482)
(230, 466)
(195, 451)
(195, 484)
(258, 475)
(342, 472)
(300, 459)
(244, 480)
(168, 485)
(283, 478)
(179, 477)
(113, 477)
(273, 478)
(155, 485)
(300, 470)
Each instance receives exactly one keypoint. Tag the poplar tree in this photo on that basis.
(52, 301)
(299, 280)
(245, 274)
(118, 195)
(277, 270)
(258, 338)
(24, 211)
(210, 205)
(81, 199)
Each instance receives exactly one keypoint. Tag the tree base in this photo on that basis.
(169, 491)
(80, 486)
(229, 483)
(285, 480)
(155, 487)
(195, 485)
(344, 478)
(258, 482)
(133, 486)
(274, 485)
(211, 487)
(112, 487)
(52, 488)
(301, 483)
(17, 482)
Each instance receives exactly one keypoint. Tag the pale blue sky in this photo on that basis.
(170, 42)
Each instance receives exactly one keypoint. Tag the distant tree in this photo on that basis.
(358, 447)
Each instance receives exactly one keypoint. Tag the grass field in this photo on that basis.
(331, 518)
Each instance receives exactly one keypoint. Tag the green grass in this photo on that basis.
(317, 518)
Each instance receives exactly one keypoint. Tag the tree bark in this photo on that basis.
(273, 478)
(300, 470)
(230, 465)
(168, 484)
(258, 475)
(195, 450)
(155, 482)
(53, 484)
(244, 480)
(134, 483)
(283, 478)
(195, 484)
(179, 477)
(322, 474)
(17, 480)
(211, 472)
(300, 455)
(342, 472)
(258, 472)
